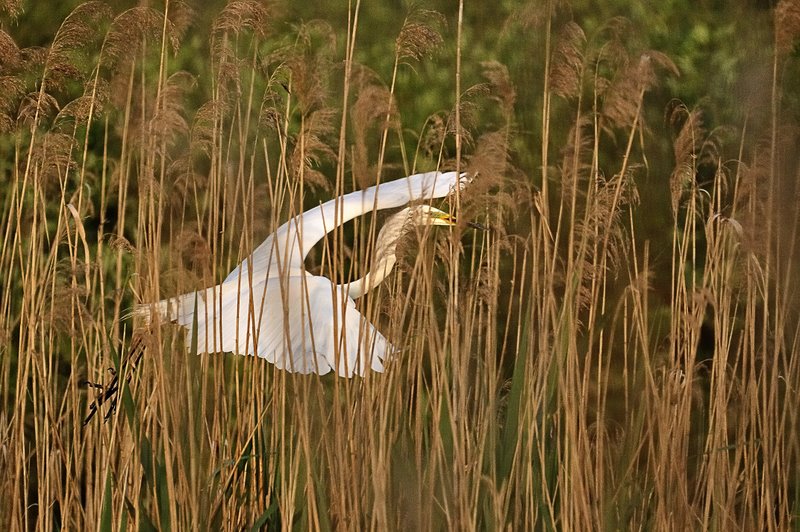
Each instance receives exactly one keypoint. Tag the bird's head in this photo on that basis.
(385, 251)
(427, 215)
(419, 215)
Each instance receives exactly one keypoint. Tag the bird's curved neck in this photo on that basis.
(285, 250)
(371, 279)
(314, 224)
(385, 254)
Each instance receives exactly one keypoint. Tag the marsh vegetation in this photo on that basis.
(621, 351)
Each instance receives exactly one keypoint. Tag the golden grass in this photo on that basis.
(553, 376)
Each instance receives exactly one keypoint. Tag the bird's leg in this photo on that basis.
(109, 393)
(138, 354)
(106, 392)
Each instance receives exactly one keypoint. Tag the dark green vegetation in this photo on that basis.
(621, 352)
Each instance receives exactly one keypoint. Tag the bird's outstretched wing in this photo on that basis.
(299, 323)
(283, 252)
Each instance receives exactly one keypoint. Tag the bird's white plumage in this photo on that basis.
(270, 307)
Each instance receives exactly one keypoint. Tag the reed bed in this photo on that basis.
(571, 369)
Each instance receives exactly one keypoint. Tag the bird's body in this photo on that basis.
(271, 307)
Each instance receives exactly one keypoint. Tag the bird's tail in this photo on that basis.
(176, 309)
(146, 311)
(205, 310)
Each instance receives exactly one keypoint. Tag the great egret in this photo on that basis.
(271, 307)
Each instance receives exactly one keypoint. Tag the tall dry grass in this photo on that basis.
(559, 372)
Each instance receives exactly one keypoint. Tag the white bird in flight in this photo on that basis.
(271, 307)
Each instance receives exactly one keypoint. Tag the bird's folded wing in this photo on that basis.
(346, 339)
(301, 324)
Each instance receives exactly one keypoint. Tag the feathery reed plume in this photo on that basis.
(68, 54)
(431, 139)
(195, 252)
(752, 197)
(490, 163)
(373, 102)
(11, 85)
(444, 126)
(278, 77)
(787, 26)
(65, 302)
(310, 148)
(184, 179)
(181, 15)
(12, 7)
(13, 90)
(494, 192)
(501, 89)
(129, 31)
(605, 240)
(205, 120)
(686, 150)
(240, 15)
(168, 122)
(78, 111)
(235, 18)
(309, 67)
(36, 107)
(10, 56)
(578, 142)
(531, 15)
(420, 35)
(52, 157)
(636, 77)
(568, 64)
